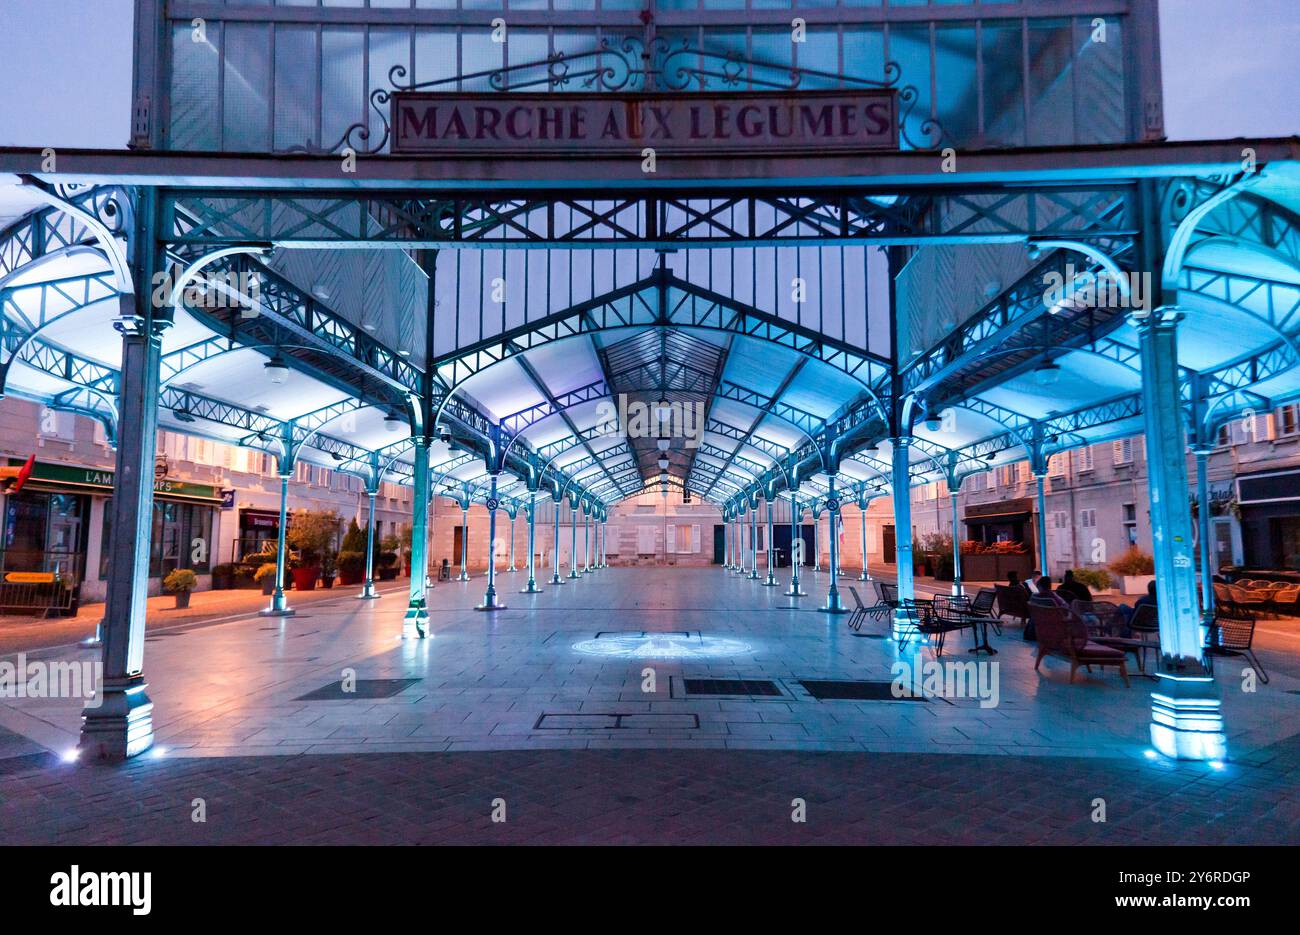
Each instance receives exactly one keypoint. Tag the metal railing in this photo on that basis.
(43, 584)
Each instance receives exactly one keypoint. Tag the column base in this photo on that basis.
(1186, 718)
(864, 577)
(903, 629)
(463, 576)
(957, 590)
(121, 725)
(512, 570)
(282, 612)
(532, 588)
(368, 592)
(574, 574)
(492, 606)
(833, 605)
(415, 625)
(752, 576)
(793, 591)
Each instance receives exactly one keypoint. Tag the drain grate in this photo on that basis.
(742, 687)
(660, 720)
(853, 691)
(364, 688)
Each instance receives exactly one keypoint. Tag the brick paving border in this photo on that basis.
(651, 797)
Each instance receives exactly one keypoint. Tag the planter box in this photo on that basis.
(995, 567)
(1135, 584)
(304, 579)
(351, 577)
(387, 574)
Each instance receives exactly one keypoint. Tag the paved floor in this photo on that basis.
(570, 706)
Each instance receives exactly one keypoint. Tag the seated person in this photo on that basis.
(1074, 590)
(1144, 600)
(1013, 581)
(1045, 595)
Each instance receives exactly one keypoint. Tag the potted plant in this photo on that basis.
(223, 576)
(388, 558)
(311, 534)
(328, 568)
(180, 581)
(1136, 570)
(404, 548)
(351, 566)
(265, 576)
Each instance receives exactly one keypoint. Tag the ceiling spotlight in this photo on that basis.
(1047, 373)
(990, 456)
(392, 422)
(663, 464)
(933, 423)
(662, 444)
(336, 456)
(276, 369)
(182, 415)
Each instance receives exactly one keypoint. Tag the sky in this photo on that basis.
(1231, 68)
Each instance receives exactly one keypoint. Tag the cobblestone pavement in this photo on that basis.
(651, 797)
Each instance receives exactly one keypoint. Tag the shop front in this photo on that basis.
(1269, 504)
(258, 530)
(59, 524)
(999, 540)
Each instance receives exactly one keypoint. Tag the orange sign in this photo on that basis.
(29, 577)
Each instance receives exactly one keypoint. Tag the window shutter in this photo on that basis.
(671, 532)
(695, 538)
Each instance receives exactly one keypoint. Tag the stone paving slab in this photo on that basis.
(678, 796)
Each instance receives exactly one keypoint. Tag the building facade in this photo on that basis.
(1098, 502)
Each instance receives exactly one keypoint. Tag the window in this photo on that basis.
(1129, 512)
(1022, 471)
(1088, 519)
(1286, 420)
(1056, 465)
(1122, 451)
(1085, 458)
(1060, 520)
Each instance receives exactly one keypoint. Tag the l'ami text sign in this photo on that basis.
(573, 123)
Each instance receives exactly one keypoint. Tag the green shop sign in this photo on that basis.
(99, 479)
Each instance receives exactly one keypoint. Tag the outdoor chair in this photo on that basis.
(1144, 627)
(1102, 617)
(1064, 635)
(887, 594)
(981, 608)
(951, 616)
(923, 623)
(1012, 602)
(1286, 601)
(1233, 636)
(861, 611)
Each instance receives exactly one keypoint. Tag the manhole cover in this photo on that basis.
(362, 688)
(854, 691)
(661, 720)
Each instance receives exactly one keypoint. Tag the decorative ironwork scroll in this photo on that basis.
(627, 66)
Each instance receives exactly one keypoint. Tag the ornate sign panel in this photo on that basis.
(517, 124)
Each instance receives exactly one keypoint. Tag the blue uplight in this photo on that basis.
(662, 646)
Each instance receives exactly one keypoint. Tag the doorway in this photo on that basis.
(457, 544)
(888, 544)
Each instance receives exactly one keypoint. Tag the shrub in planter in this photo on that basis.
(387, 565)
(328, 568)
(311, 533)
(223, 576)
(1097, 579)
(352, 566)
(1135, 568)
(265, 576)
(181, 582)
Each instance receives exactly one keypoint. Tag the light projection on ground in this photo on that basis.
(640, 645)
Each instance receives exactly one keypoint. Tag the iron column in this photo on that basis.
(833, 603)
(770, 581)
(416, 622)
(531, 587)
(490, 594)
(368, 592)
